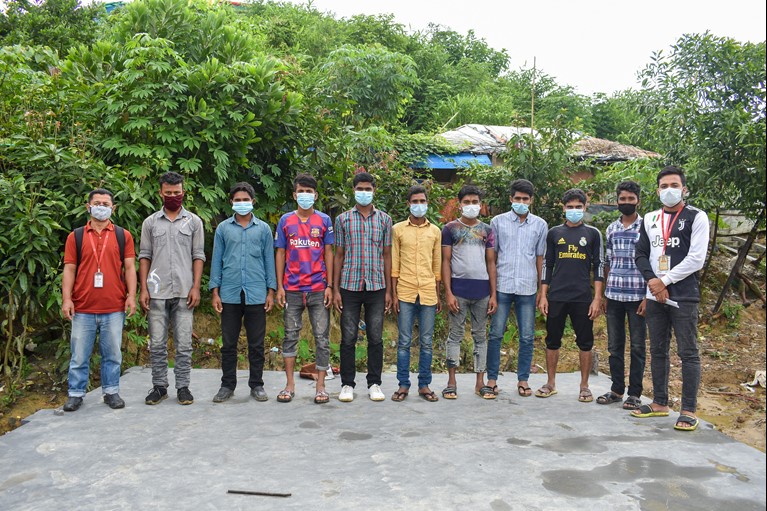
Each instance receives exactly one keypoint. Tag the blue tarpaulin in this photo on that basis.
(452, 161)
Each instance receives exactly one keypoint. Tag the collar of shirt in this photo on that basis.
(634, 225)
(515, 217)
(181, 214)
(373, 211)
(110, 226)
(233, 220)
(425, 224)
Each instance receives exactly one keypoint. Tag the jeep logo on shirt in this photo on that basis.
(672, 242)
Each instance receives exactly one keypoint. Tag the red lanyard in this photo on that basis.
(103, 246)
(666, 234)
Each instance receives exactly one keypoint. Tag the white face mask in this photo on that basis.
(670, 197)
(470, 211)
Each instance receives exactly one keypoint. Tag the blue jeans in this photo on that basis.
(524, 309)
(109, 328)
(407, 314)
(617, 313)
(661, 319)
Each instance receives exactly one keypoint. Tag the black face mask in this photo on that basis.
(627, 209)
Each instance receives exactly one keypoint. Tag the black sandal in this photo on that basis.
(610, 398)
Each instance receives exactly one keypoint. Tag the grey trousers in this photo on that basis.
(161, 312)
(319, 317)
(477, 311)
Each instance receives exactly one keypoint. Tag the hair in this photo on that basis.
(171, 178)
(469, 190)
(629, 186)
(415, 190)
(672, 170)
(305, 180)
(242, 187)
(101, 191)
(364, 177)
(524, 186)
(574, 194)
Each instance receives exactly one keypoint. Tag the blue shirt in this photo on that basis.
(518, 245)
(243, 261)
(624, 280)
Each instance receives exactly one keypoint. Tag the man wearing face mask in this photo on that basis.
(171, 257)
(624, 300)
(415, 276)
(304, 243)
(468, 276)
(573, 251)
(520, 242)
(242, 281)
(362, 276)
(670, 252)
(96, 294)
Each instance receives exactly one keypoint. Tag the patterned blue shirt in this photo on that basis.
(518, 245)
(624, 281)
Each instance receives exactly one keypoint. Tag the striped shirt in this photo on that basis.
(624, 281)
(518, 245)
(363, 240)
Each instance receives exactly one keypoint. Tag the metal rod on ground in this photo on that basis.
(259, 493)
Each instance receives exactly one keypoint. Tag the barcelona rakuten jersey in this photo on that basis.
(304, 244)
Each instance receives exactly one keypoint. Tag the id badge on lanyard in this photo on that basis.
(664, 260)
(98, 277)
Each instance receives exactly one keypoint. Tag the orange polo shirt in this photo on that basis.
(111, 297)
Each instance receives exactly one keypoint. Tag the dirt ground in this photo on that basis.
(732, 347)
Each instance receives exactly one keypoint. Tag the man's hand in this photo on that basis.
(439, 305)
(492, 305)
(394, 301)
(130, 305)
(595, 308)
(143, 299)
(269, 305)
(193, 298)
(280, 298)
(543, 305)
(338, 303)
(216, 301)
(68, 309)
(656, 285)
(328, 299)
(388, 302)
(662, 296)
(452, 303)
(642, 307)
(604, 306)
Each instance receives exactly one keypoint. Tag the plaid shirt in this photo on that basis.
(363, 240)
(624, 281)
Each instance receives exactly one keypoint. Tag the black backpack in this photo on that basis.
(119, 234)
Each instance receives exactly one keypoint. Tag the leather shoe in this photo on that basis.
(114, 401)
(72, 404)
(259, 394)
(223, 394)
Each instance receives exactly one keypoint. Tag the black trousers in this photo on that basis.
(232, 318)
(579, 317)
(375, 305)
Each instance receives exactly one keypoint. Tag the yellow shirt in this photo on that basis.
(416, 261)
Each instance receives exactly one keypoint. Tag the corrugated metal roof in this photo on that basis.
(451, 161)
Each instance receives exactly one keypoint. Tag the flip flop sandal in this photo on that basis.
(450, 393)
(524, 391)
(645, 411)
(545, 391)
(429, 396)
(609, 398)
(321, 397)
(690, 421)
(285, 396)
(632, 403)
(487, 393)
(585, 395)
(399, 396)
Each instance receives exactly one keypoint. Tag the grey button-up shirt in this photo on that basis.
(518, 244)
(172, 247)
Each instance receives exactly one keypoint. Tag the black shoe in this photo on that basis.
(156, 395)
(72, 404)
(223, 394)
(259, 394)
(184, 396)
(114, 401)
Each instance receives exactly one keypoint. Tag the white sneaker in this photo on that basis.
(375, 393)
(347, 394)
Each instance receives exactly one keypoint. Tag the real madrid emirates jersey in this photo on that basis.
(571, 254)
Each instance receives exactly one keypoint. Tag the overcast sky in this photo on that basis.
(593, 45)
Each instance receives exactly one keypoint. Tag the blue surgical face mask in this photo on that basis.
(101, 213)
(242, 208)
(363, 198)
(520, 208)
(574, 215)
(418, 210)
(305, 200)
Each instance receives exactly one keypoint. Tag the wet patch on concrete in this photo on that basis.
(409, 434)
(730, 470)
(499, 505)
(584, 444)
(351, 435)
(518, 441)
(13, 481)
(666, 495)
(309, 425)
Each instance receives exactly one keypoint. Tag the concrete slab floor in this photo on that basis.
(472, 454)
